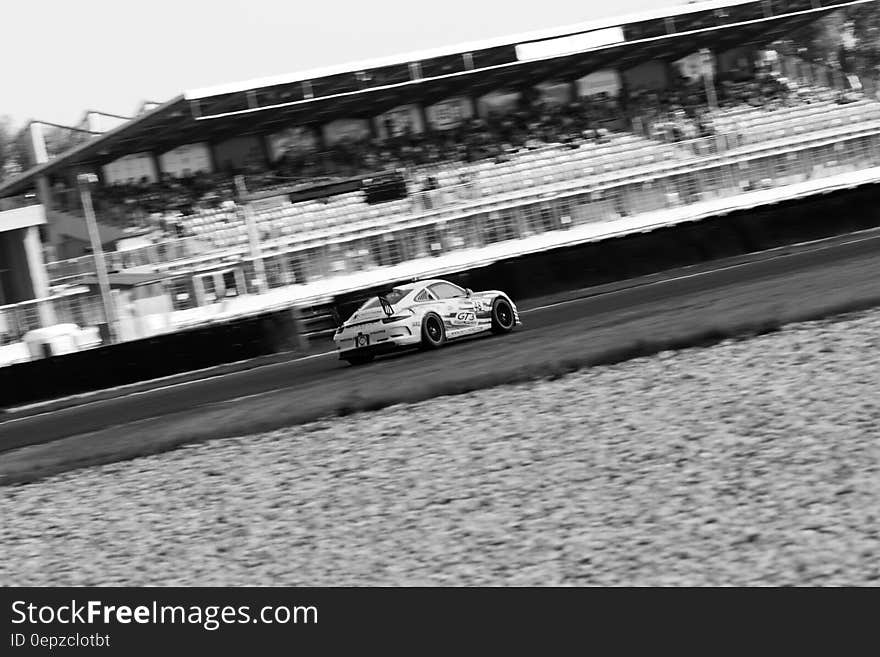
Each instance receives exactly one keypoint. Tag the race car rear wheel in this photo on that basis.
(433, 332)
(502, 316)
(359, 359)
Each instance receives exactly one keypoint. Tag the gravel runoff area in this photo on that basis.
(753, 462)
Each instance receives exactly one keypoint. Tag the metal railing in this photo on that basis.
(81, 308)
(603, 203)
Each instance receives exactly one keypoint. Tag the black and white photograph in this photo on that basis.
(557, 295)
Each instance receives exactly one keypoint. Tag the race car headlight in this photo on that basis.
(397, 317)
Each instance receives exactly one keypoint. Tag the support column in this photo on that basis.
(373, 124)
(707, 65)
(320, 136)
(623, 93)
(423, 115)
(198, 288)
(475, 101)
(267, 152)
(39, 276)
(240, 281)
(44, 196)
(157, 165)
(212, 158)
(284, 270)
(253, 233)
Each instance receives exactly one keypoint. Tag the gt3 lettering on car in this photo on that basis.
(423, 314)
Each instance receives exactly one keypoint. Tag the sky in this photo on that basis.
(59, 58)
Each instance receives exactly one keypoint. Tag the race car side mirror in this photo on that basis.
(468, 291)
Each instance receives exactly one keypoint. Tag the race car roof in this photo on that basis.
(369, 88)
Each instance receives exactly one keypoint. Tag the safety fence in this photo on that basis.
(603, 203)
(80, 308)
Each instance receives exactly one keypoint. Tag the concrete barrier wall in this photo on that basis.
(140, 360)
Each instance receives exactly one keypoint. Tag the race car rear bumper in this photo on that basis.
(380, 341)
(374, 349)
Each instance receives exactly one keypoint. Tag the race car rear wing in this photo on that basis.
(386, 305)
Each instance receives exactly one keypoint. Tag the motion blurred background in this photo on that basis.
(173, 265)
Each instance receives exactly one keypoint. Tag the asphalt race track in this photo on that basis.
(785, 287)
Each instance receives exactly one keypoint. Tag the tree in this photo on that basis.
(58, 139)
(821, 40)
(866, 31)
(849, 38)
(11, 161)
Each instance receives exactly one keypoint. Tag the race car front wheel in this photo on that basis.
(502, 316)
(433, 332)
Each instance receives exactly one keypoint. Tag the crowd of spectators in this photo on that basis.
(682, 112)
(171, 193)
(678, 113)
(532, 124)
(133, 202)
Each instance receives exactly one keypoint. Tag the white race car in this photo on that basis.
(425, 314)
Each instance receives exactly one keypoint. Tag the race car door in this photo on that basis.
(459, 310)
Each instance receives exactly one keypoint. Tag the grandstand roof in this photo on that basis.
(370, 88)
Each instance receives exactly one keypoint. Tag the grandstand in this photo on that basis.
(496, 141)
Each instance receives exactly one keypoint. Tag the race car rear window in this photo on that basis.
(393, 297)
